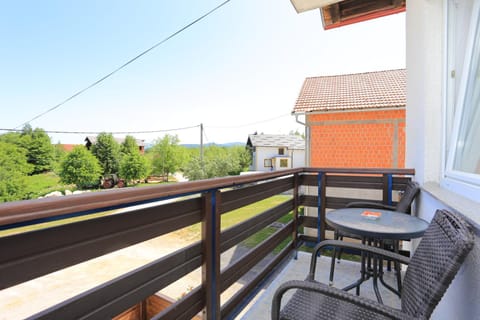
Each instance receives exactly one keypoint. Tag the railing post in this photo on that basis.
(321, 198)
(211, 254)
(387, 188)
(295, 212)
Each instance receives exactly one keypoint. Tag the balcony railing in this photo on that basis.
(32, 254)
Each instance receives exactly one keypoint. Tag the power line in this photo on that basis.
(114, 132)
(124, 65)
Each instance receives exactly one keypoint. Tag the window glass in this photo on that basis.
(267, 163)
(462, 173)
(283, 163)
(467, 152)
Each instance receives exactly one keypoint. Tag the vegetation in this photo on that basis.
(167, 155)
(31, 166)
(218, 162)
(107, 151)
(81, 168)
(13, 170)
(133, 166)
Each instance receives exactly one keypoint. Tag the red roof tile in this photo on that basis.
(370, 90)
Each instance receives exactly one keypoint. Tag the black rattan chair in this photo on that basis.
(412, 189)
(443, 248)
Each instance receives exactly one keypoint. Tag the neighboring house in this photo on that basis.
(355, 120)
(276, 152)
(67, 147)
(91, 140)
(442, 119)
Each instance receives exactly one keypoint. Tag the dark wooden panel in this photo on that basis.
(186, 308)
(62, 246)
(238, 198)
(354, 181)
(309, 222)
(242, 295)
(309, 201)
(234, 271)
(111, 298)
(232, 236)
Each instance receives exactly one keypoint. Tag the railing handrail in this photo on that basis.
(29, 210)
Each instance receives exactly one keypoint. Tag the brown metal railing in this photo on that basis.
(29, 255)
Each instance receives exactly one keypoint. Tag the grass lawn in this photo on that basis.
(234, 217)
(41, 184)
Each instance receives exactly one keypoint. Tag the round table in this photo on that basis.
(390, 225)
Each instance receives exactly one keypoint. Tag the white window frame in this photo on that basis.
(467, 184)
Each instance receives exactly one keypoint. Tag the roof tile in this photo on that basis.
(370, 90)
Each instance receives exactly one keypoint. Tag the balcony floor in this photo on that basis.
(346, 272)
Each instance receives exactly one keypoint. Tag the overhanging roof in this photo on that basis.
(337, 13)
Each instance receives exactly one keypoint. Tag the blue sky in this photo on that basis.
(233, 71)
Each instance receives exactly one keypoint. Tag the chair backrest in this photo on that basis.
(411, 191)
(443, 248)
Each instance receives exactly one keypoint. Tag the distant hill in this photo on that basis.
(228, 144)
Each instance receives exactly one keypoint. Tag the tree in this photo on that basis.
(218, 162)
(13, 170)
(194, 169)
(41, 152)
(107, 151)
(167, 156)
(81, 168)
(129, 146)
(133, 167)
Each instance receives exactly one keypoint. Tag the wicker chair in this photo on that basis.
(443, 248)
(412, 189)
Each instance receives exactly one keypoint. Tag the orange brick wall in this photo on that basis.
(362, 139)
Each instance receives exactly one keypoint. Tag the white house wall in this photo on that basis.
(262, 153)
(426, 56)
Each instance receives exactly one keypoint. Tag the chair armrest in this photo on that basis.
(356, 246)
(368, 204)
(383, 310)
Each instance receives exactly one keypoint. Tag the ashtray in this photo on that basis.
(372, 215)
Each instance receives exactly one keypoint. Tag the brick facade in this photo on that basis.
(358, 139)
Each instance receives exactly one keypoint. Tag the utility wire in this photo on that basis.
(124, 65)
(115, 132)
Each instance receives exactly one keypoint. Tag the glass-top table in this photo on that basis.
(389, 225)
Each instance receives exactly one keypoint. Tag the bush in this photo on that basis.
(81, 168)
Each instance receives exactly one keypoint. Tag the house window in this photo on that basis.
(281, 151)
(283, 163)
(267, 163)
(462, 172)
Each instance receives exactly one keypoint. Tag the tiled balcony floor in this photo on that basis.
(346, 272)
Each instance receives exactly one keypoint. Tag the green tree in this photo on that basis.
(194, 169)
(13, 170)
(107, 151)
(81, 168)
(166, 155)
(129, 145)
(40, 151)
(134, 167)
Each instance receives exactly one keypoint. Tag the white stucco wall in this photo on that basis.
(425, 126)
(262, 153)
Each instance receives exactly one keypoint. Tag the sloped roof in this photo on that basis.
(276, 140)
(93, 140)
(370, 90)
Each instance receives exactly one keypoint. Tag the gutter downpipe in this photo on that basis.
(307, 137)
